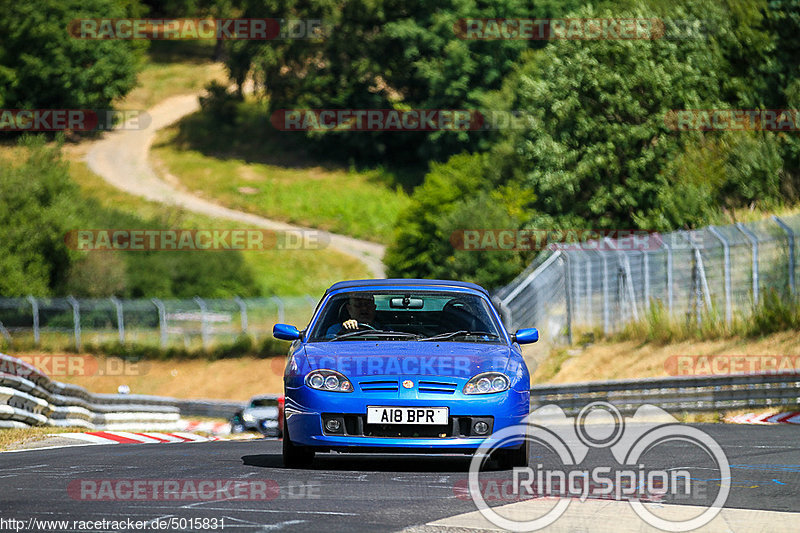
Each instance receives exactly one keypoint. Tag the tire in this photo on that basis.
(507, 459)
(295, 456)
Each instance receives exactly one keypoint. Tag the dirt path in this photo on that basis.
(121, 158)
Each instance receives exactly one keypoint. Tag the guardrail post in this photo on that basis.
(120, 319)
(76, 321)
(242, 313)
(203, 321)
(726, 252)
(754, 243)
(35, 309)
(162, 320)
(281, 309)
(790, 234)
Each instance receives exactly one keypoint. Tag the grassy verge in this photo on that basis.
(250, 166)
(281, 272)
(227, 379)
(631, 359)
(14, 438)
(173, 68)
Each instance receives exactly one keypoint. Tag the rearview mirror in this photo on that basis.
(526, 336)
(285, 332)
(406, 303)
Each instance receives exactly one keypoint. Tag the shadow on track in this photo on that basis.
(371, 463)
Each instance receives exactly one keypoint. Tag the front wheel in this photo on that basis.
(295, 456)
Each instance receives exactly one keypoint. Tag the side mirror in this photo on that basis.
(285, 332)
(526, 336)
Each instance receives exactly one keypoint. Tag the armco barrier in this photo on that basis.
(30, 398)
(685, 393)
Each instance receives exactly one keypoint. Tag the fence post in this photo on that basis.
(203, 321)
(76, 321)
(754, 242)
(646, 268)
(281, 309)
(726, 252)
(568, 289)
(606, 325)
(669, 275)
(162, 320)
(120, 319)
(35, 309)
(790, 234)
(242, 313)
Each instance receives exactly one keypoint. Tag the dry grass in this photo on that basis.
(225, 379)
(13, 438)
(633, 359)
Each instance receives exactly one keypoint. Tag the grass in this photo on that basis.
(227, 379)
(251, 167)
(13, 438)
(633, 359)
(775, 312)
(173, 68)
(281, 272)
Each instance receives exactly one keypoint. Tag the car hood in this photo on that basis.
(407, 358)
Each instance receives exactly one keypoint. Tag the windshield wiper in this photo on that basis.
(375, 332)
(459, 333)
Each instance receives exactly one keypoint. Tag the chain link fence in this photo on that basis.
(717, 271)
(191, 324)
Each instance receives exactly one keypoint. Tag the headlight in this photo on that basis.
(486, 383)
(329, 380)
(247, 417)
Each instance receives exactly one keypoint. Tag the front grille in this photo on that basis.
(380, 385)
(437, 387)
(356, 425)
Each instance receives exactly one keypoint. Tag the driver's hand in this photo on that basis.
(350, 324)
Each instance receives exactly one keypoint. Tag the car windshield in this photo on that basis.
(406, 316)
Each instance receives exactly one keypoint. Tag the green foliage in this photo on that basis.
(41, 205)
(35, 214)
(43, 66)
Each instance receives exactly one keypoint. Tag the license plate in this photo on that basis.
(433, 416)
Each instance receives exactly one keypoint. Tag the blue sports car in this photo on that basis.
(403, 365)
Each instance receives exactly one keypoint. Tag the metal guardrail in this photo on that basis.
(30, 398)
(685, 393)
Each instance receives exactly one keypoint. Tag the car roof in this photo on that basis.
(400, 283)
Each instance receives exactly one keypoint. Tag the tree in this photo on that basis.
(44, 67)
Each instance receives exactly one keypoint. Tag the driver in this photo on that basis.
(361, 309)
